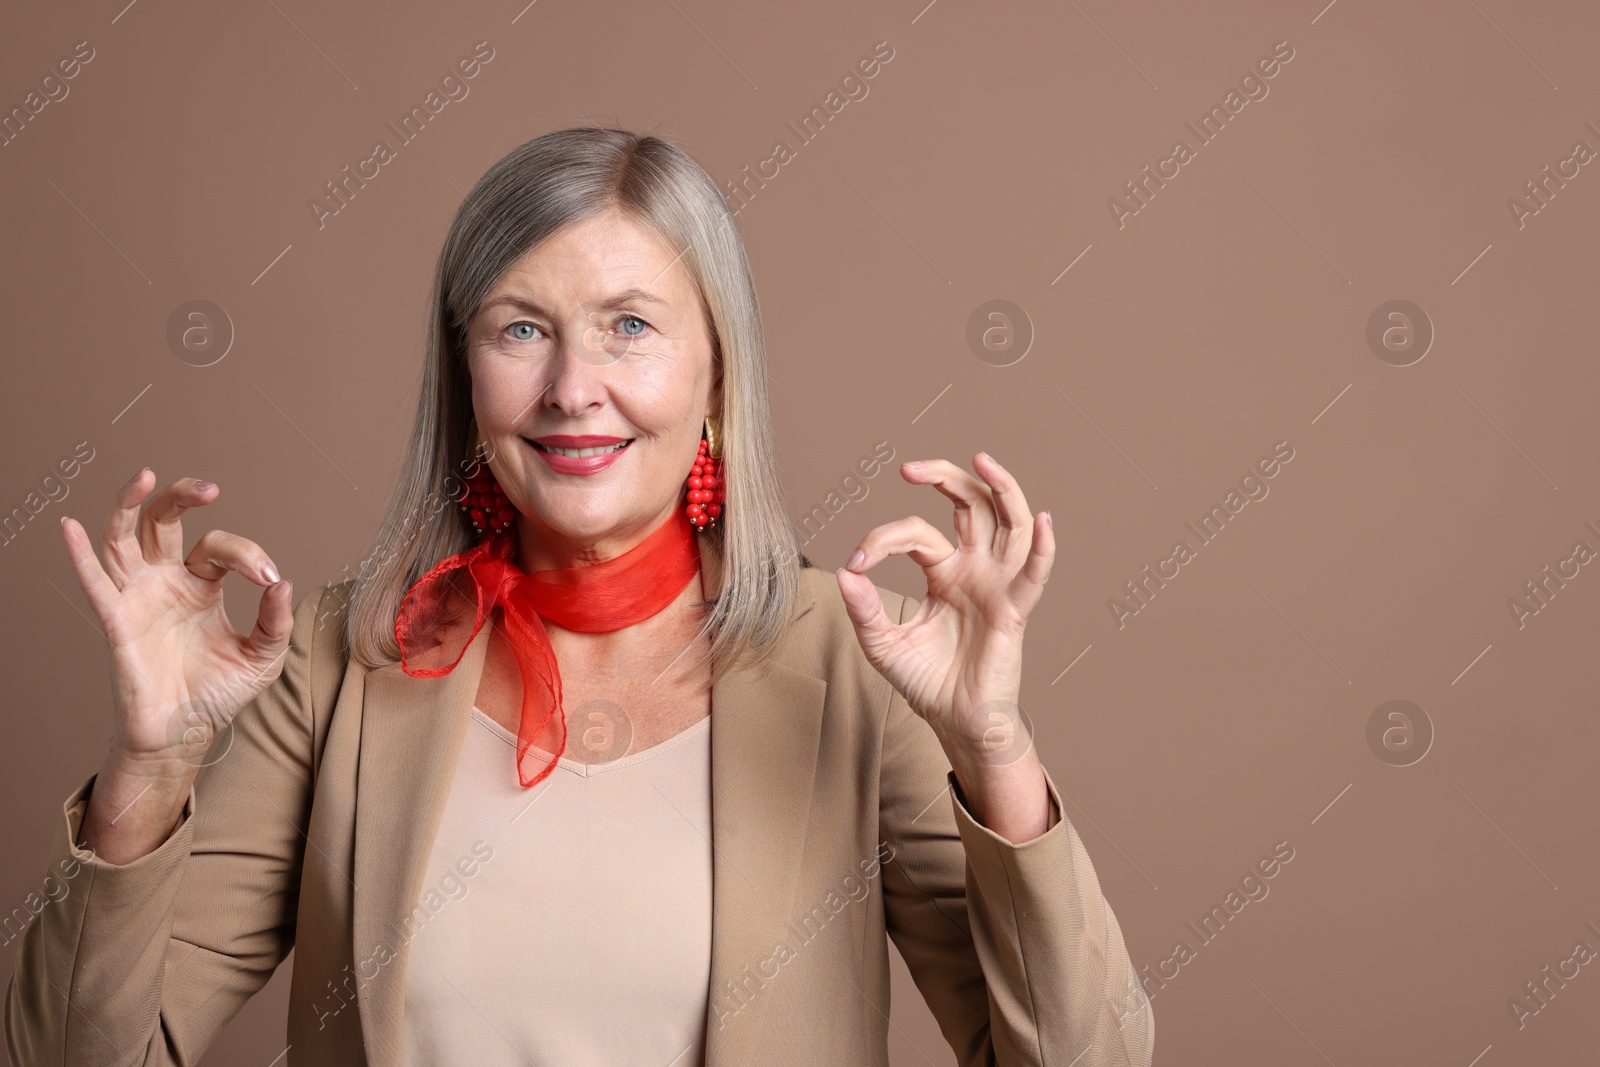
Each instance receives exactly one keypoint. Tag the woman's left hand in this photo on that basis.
(958, 659)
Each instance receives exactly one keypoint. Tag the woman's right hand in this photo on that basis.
(179, 670)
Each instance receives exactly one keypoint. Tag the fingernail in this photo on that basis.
(203, 486)
(1048, 521)
(856, 560)
(139, 474)
(912, 463)
(269, 572)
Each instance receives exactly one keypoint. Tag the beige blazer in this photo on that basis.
(835, 821)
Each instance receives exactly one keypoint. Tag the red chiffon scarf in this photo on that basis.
(442, 613)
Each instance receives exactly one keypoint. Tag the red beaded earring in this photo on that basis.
(705, 479)
(486, 504)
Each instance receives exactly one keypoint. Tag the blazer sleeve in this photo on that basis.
(1014, 947)
(144, 963)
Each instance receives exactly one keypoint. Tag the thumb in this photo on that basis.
(274, 625)
(861, 603)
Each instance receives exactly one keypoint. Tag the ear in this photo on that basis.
(715, 407)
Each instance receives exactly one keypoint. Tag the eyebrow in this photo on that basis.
(626, 296)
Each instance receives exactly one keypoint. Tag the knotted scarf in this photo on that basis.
(433, 634)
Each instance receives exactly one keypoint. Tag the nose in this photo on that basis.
(577, 372)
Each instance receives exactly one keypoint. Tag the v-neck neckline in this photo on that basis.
(589, 770)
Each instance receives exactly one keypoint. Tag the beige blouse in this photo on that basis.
(566, 925)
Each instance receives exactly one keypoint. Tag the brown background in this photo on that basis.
(1228, 315)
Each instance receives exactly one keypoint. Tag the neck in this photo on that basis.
(541, 548)
(658, 648)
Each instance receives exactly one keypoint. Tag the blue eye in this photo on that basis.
(515, 326)
(633, 318)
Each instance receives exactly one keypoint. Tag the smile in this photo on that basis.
(581, 453)
(590, 459)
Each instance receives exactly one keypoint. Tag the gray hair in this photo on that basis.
(753, 553)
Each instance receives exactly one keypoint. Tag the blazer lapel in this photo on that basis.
(412, 731)
(765, 729)
(766, 725)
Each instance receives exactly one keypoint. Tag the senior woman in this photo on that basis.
(589, 764)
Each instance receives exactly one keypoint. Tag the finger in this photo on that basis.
(1010, 506)
(97, 585)
(1028, 586)
(274, 624)
(911, 536)
(218, 552)
(161, 527)
(975, 519)
(119, 540)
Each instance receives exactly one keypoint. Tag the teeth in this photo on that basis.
(584, 453)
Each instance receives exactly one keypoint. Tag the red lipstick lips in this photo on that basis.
(560, 452)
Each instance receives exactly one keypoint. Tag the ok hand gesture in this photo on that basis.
(180, 671)
(958, 659)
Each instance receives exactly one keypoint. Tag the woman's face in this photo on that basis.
(596, 333)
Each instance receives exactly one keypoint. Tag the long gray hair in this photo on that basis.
(541, 186)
